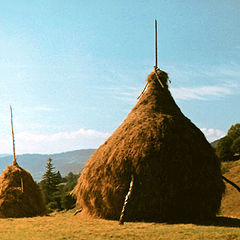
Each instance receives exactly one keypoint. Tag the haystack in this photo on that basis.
(176, 173)
(20, 196)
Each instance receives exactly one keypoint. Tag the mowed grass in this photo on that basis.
(67, 226)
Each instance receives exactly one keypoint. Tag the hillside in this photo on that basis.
(231, 200)
(65, 162)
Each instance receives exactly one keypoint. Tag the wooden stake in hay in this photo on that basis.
(13, 139)
(177, 175)
(20, 195)
(156, 62)
(121, 220)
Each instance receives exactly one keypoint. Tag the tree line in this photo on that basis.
(56, 189)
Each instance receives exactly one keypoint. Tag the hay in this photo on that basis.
(176, 173)
(20, 196)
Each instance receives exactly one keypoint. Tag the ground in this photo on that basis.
(231, 201)
(64, 225)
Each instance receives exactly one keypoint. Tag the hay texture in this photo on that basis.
(176, 173)
(20, 196)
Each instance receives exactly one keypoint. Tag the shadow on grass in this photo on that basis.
(219, 221)
(223, 222)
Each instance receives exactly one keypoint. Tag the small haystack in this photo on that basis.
(176, 173)
(20, 196)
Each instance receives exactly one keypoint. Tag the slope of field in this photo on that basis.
(231, 201)
(66, 226)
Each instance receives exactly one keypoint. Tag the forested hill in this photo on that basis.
(73, 161)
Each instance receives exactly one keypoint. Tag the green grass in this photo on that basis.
(67, 226)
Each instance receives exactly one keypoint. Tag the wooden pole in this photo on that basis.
(22, 184)
(156, 43)
(121, 219)
(14, 156)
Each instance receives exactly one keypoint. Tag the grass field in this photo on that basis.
(66, 226)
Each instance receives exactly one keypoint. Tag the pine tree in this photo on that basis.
(50, 181)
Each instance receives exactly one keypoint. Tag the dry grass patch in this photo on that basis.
(66, 226)
(231, 201)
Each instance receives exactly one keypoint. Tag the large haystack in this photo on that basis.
(176, 173)
(20, 196)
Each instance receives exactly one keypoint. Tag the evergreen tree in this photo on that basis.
(49, 183)
(59, 178)
(56, 190)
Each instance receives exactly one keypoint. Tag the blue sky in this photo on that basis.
(72, 69)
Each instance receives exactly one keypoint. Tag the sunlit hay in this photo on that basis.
(20, 196)
(176, 173)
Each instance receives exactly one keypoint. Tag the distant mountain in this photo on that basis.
(214, 143)
(73, 161)
(4, 155)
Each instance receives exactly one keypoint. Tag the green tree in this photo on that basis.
(49, 185)
(59, 178)
(235, 147)
(71, 181)
(223, 149)
(68, 201)
(234, 131)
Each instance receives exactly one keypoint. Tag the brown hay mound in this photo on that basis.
(20, 196)
(176, 173)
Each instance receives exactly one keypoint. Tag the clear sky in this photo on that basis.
(72, 69)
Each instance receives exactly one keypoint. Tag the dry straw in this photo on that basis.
(176, 173)
(20, 196)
